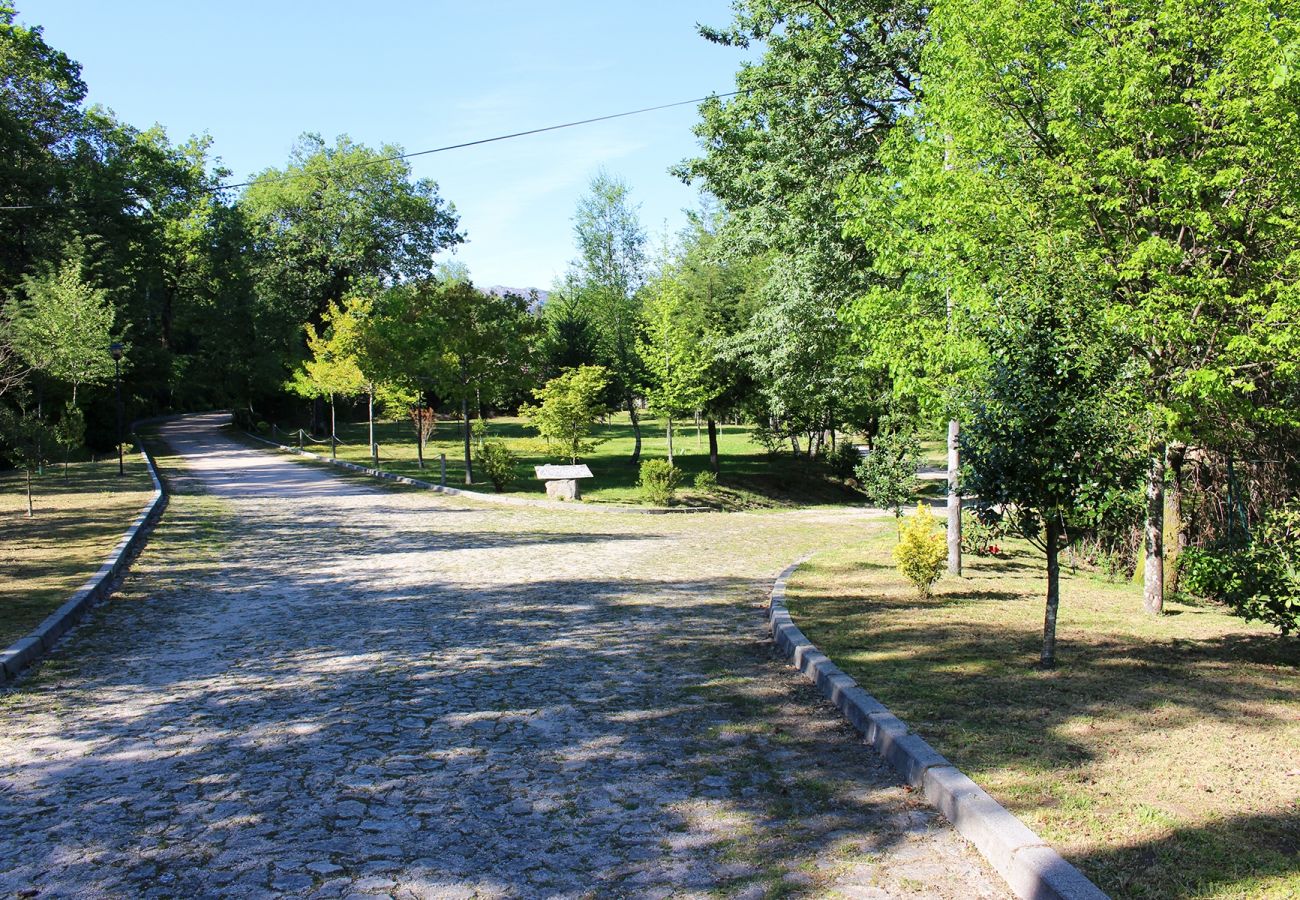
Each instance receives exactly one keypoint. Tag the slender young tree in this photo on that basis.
(609, 273)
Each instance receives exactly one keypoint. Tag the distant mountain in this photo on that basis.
(501, 290)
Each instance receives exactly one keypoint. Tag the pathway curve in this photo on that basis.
(313, 687)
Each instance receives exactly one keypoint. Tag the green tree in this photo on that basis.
(1140, 141)
(61, 325)
(887, 474)
(609, 273)
(332, 370)
(675, 353)
(333, 218)
(1049, 430)
(29, 438)
(568, 408)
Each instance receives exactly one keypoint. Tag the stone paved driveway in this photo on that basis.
(312, 687)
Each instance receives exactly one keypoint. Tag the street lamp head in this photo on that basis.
(115, 349)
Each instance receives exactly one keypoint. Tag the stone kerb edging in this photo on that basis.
(1032, 869)
(23, 652)
(479, 495)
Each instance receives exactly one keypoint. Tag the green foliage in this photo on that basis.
(659, 480)
(1260, 581)
(921, 553)
(569, 406)
(706, 481)
(844, 459)
(497, 463)
(887, 474)
(61, 325)
(982, 531)
(70, 430)
(334, 217)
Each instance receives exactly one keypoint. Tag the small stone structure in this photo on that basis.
(562, 481)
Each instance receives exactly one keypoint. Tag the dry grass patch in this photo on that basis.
(1162, 757)
(78, 522)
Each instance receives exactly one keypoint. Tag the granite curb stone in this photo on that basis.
(1032, 869)
(479, 495)
(23, 652)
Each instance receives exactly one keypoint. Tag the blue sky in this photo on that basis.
(256, 75)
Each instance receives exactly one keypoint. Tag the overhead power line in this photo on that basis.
(281, 176)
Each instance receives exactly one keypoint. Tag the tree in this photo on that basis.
(1049, 434)
(568, 408)
(61, 325)
(26, 435)
(1141, 139)
(675, 353)
(887, 475)
(334, 217)
(331, 370)
(609, 273)
(484, 345)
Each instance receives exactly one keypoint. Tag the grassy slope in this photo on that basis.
(749, 476)
(45, 559)
(1162, 757)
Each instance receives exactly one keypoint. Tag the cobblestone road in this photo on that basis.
(310, 687)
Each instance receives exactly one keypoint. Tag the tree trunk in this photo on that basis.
(670, 440)
(333, 433)
(1174, 458)
(1053, 590)
(954, 498)
(464, 415)
(636, 430)
(713, 446)
(1153, 572)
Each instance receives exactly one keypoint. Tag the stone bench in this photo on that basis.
(562, 481)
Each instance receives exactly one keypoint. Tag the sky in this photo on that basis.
(423, 74)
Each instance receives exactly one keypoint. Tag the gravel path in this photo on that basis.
(313, 687)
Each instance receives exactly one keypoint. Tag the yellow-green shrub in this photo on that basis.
(921, 553)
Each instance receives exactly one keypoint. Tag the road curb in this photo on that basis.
(27, 650)
(478, 495)
(1032, 869)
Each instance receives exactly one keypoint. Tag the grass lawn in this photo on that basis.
(1162, 757)
(45, 559)
(750, 477)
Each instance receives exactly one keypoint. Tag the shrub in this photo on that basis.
(921, 552)
(497, 463)
(1260, 581)
(659, 481)
(982, 531)
(843, 460)
(887, 474)
(262, 427)
(706, 481)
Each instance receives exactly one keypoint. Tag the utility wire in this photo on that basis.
(281, 176)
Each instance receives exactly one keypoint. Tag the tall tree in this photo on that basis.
(676, 356)
(334, 217)
(609, 272)
(1141, 139)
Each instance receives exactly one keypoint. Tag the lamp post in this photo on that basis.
(116, 350)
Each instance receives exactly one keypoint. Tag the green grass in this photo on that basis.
(1163, 755)
(45, 559)
(749, 478)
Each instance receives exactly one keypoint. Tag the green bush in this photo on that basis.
(982, 532)
(1259, 582)
(262, 427)
(497, 463)
(706, 482)
(921, 552)
(844, 460)
(659, 481)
